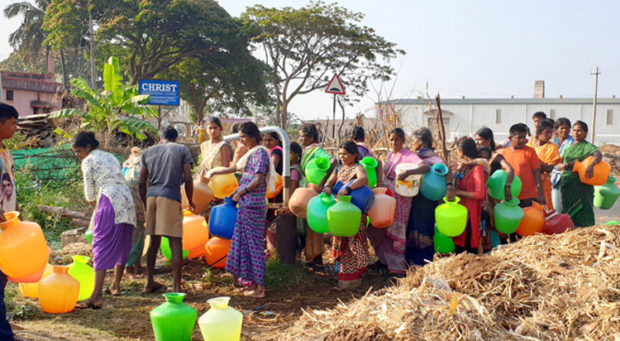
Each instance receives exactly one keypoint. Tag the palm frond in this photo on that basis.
(16, 8)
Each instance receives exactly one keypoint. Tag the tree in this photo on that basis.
(17, 61)
(306, 46)
(30, 41)
(152, 35)
(29, 36)
(228, 81)
(117, 108)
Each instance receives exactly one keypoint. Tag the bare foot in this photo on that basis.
(149, 289)
(90, 303)
(112, 291)
(248, 288)
(115, 291)
(16, 327)
(257, 293)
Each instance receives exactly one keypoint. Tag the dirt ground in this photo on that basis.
(127, 317)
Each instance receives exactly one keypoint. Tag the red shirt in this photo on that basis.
(524, 161)
(474, 182)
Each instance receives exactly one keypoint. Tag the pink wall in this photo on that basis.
(22, 98)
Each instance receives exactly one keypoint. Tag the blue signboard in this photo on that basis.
(161, 92)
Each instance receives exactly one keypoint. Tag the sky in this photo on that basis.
(476, 49)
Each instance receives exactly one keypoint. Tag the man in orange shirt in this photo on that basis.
(526, 165)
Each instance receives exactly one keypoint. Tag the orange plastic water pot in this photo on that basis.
(533, 220)
(382, 213)
(59, 292)
(216, 252)
(223, 185)
(298, 203)
(273, 192)
(195, 231)
(32, 289)
(23, 250)
(600, 173)
(201, 197)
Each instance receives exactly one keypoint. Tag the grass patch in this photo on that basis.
(280, 276)
(16, 307)
(210, 277)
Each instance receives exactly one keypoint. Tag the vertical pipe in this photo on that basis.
(286, 157)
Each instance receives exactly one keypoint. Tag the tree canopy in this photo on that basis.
(228, 83)
(153, 35)
(193, 41)
(305, 46)
(28, 37)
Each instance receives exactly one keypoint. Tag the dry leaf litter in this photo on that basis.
(555, 287)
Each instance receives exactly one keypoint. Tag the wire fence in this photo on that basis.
(58, 163)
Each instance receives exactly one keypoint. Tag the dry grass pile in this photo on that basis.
(543, 287)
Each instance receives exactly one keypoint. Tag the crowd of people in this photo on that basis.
(148, 199)
(543, 162)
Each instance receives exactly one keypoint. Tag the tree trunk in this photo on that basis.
(200, 107)
(283, 114)
(65, 78)
(107, 139)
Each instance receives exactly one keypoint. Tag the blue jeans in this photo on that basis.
(6, 334)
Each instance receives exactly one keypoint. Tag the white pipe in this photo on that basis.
(286, 156)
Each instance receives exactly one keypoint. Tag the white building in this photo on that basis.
(462, 117)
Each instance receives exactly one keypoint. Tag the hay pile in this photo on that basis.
(543, 287)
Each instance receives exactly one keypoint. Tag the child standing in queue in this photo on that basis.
(526, 165)
(471, 189)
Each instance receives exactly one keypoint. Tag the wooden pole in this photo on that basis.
(442, 130)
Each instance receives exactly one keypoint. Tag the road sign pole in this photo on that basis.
(159, 117)
(334, 119)
(334, 87)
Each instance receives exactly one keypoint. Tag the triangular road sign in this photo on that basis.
(335, 86)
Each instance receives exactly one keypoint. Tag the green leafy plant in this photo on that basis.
(65, 192)
(18, 141)
(117, 108)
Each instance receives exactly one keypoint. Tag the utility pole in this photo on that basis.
(596, 73)
(93, 80)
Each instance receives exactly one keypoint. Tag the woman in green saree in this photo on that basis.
(577, 197)
(309, 139)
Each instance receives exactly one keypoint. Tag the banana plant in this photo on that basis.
(117, 108)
